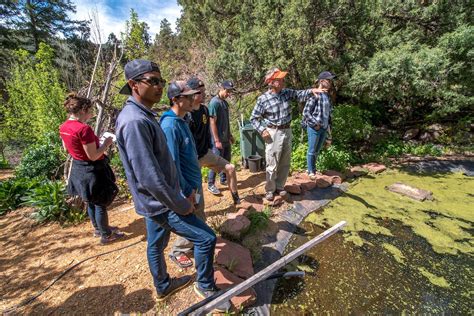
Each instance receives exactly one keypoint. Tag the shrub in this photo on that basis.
(298, 157)
(49, 201)
(4, 163)
(396, 148)
(12, 191)
(350, 124)
(333, 158)
(41, 160)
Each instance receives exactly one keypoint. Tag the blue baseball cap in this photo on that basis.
(177, 88)
(228, 85)
(195, 83)
(326, 75)
(135, 68)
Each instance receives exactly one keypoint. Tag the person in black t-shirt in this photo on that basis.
(200, 128)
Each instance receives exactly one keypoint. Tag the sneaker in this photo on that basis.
(222, 308)
(176, 284)
(224, 182)
(112, 228)
(112, 237)
(269, 196)
(212, 188)
(281, 193)
(312, 176)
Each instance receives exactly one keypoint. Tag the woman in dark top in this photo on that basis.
(91, 177)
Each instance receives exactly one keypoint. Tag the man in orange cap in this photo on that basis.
(271, 117)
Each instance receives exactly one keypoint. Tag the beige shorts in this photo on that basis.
(213, 161)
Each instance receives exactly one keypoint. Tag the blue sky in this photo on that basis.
(112, 14)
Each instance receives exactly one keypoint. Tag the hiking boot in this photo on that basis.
(212, 188)
(112, 228)
(269, 196)
(236, 198)
(112, 237)
(176, 284)
(222, 308)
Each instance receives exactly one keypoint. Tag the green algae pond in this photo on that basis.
(396, 255)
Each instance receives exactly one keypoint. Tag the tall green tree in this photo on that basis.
(136, 39)
(29, 22)
(36, 95)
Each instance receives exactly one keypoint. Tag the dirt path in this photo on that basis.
(120, 282)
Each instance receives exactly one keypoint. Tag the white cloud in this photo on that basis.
(112, 14)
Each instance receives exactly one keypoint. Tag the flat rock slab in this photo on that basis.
(374, 167)
(411, 192)
(234, 258)
(226, 279)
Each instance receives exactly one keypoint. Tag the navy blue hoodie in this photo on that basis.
(181, 145)
(151, 173)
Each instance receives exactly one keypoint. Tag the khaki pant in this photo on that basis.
(182, 245)
(278, 158)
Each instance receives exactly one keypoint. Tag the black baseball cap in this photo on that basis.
(326, 75)
(177, 88)
(135, 68)
(195, 83)
(228, 85)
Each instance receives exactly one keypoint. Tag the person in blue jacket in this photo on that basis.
(153, 182)
(181, 145)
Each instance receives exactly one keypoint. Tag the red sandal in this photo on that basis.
(182, 261)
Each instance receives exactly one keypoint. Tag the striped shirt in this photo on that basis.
(274, 108)
(317, 110)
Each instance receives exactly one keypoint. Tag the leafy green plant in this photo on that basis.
(12, 191)
(49, 201)
(333, 158)
(4, 163)
(259, 220)
(298, 157)
(41, 160)
(204, 173)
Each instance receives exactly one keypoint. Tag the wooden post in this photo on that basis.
(262, 275)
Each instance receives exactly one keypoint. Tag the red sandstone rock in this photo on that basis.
(225, 279)
(323, 181)
(333, 173)
(374, 167)
(235, 226)
(234, 257)
(358, 171)
(336, 180)
(293, 188)
(308, 185)
(278, 200)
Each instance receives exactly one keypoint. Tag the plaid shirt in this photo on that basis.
(317, 111)
(275, 109)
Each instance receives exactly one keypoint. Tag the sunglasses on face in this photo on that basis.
(153, 81)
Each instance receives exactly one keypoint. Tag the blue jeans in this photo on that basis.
(99, 219)
(158, 229)
(226, 153)
(316, 140)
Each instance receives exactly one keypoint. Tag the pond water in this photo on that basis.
(395, 255)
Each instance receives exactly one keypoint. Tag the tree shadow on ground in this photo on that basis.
(101, 300)
(252, 181)
(135, 228)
